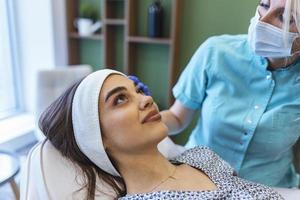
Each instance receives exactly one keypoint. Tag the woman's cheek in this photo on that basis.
(124, 118)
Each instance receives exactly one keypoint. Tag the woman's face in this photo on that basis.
(271, 12)
(130, 121)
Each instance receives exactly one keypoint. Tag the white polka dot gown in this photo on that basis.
(229, 185)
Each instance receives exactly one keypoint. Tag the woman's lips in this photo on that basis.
(152, 117)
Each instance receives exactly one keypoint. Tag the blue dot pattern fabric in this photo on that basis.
(229, 186)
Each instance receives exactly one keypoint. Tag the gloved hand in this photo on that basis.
(140, 85)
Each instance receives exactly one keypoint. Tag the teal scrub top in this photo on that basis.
(250, 115)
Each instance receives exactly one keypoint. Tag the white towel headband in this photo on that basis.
(85, 119)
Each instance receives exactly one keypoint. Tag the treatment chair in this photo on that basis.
(48, 175)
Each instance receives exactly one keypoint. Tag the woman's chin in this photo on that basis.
(164, 132)
(164, 129)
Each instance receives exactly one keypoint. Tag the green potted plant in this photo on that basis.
(87, 22)
(88, 11)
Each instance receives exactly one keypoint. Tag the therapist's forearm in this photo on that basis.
(177, 117)
(173, 123)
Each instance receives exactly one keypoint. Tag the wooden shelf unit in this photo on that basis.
(126, 20)
(114, 21)
(173, 41)
(140, 39)
(91, 37)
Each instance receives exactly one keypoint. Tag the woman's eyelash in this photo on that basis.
(264, 5)
(281, 18)
(123, 96)
(292, 20)
(139, 90)
(118, 97)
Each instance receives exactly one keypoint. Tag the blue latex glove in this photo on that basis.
(140, 85)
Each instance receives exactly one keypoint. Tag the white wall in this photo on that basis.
(41, 44)
(42, 40)
(60, 32)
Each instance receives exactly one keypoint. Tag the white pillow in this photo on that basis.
(169, 149)
(288, 194)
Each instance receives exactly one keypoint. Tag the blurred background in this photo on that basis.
(45, 45)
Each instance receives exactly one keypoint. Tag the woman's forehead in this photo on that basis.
(117, 80)
(114, 81)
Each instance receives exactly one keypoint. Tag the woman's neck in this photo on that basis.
(276, 63)
(284, 62)
(143, 172)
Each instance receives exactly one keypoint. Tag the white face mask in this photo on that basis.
(268, 41)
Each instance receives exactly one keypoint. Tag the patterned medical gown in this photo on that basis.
(229, 185)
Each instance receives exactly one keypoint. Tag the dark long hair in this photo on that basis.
(56, 124)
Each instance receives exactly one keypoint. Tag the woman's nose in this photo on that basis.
(266, 16)
(273, 14)
(146, 102)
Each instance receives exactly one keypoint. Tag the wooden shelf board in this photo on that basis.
(114, 21)
(141, 39)
(111, 1)
(91, 37)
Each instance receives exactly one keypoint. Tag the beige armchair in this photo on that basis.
(52, 83)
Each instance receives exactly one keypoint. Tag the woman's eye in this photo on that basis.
(139, 90)
(292, 20)
(266, 6)
(120, 99)
(281, 18)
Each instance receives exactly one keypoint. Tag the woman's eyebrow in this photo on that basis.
(113, 91)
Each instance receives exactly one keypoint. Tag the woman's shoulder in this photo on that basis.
(226, 40)
(204, 158)
(224, 47)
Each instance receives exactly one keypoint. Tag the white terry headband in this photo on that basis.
(86, 120)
